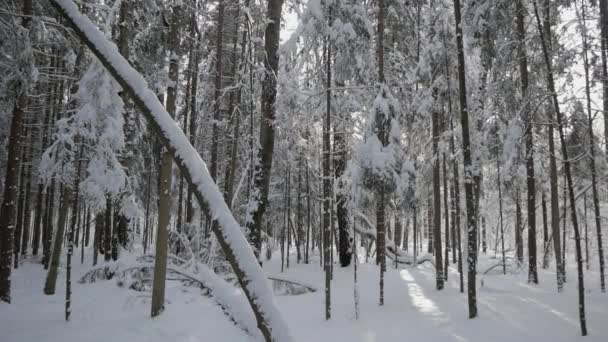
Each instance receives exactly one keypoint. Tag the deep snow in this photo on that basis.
(510, 309)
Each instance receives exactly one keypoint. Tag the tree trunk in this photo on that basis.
(261, 181)
(604, 47)
(164, 207)
(446, 213)
(8, 209)
(551, 89)
(345, 250)
(68, 269)
(327, 191)
(468, 165)
(592, 167)
(437, 204)
(51, 277)
(529, 137)
(546, 241)
(519, 239)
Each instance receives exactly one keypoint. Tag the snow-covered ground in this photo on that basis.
(509, 309)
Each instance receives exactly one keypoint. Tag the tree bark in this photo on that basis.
(164, 207)
(551, 89)
(261, 181)
(592, 167)
(468, 165)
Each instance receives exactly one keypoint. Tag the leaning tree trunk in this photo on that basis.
(567, 167)
(228, 233)
(468, 166)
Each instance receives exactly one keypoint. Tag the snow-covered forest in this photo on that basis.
(303, 170)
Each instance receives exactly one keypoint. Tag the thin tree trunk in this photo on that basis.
(74, 218)
(437, 204)
(604, 66)
(519, 239)
(326, 180)
(596, 201)
(551, 89)
(51, 277)
(468, 165)
(446, 213)
(546, 241)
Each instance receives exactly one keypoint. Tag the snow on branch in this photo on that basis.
(228, 232)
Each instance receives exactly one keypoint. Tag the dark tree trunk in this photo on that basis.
(592, 167)
(262, 169)
(8, 209)
(567, 166)
(519, 239)
(530, 180)
(437, 204)
(345, 251)
(468, 165)
(546, 241)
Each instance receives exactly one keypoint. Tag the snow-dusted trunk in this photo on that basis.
(546, 241)
(234, 104)
(456, 220)
(53, 270)
(592, 167)
(127, 158)
(382, 132)
(228, 233)
(70, 252)
(437, 201)
(219, 32)
(9, 199)
(567, 170)
(529, 137)
(308, 214)
(263, 163)
(327, 188)
(554, 194)
(195, 56)
(604, 53)
(164, 205)
(471, 222)
(502, 228)
(11, 179)
(344, 243)
(446, 215)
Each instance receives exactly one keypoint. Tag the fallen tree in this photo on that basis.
(237, 250)
(394, 252)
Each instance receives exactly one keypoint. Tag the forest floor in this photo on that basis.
(509, 309)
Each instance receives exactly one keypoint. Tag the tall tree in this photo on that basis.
(468, 167)
(567, 170)
(530, 180)
(164, 206)
(263, 162)
(11, 179)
